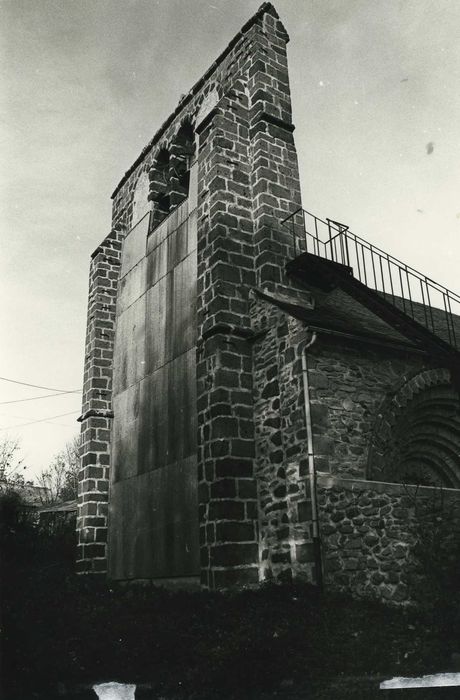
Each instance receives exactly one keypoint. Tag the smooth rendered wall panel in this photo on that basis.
(153, 514)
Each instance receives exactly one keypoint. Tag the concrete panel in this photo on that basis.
(192, 231)
(134, 245)
(157, 236)
(158, 320)
(157, 264)
(182, 406)
(177, 245)
(132, 286)
(177, 217)
(165, 255)
(125, 433)
(171, 315)
(153, 524)
(153, 531)
(153, 423)
(183, 302)
(167, 226)
(167, 416)
(129, 351)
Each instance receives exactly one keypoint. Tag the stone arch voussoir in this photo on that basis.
(413, 412)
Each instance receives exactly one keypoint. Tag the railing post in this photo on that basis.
(452, 322)
(448, 318)
(346, 249)
(330, 239)
(316, 236)
(294, 241)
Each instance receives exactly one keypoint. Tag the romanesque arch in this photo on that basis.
(170, 173)
(416, 437)
(182, 152)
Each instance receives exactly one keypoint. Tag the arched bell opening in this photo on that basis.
(182, 154)
(159, 187)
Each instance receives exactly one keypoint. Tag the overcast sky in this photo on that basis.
(86, 83)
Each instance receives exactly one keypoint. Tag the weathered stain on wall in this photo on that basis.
(153, 523)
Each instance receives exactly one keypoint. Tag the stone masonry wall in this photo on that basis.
(232, 148)
(247, 168)
(286, 548)
(348, 384)
(370, 532)
(250, 162)
(349, 381)
(96, 417)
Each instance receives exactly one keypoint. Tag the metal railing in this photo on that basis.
(424, 300)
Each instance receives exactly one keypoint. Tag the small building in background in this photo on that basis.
(57, 516)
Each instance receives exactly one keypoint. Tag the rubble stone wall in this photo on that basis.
(370, 532)
(285, 538)
(349, 381)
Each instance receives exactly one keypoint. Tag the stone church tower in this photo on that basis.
(232, 390)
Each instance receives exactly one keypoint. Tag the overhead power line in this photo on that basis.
(46, 396)
(60, 425)
(37, 386)
(40, 420)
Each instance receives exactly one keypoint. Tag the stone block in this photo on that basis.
(305, 553)
(233, 467)
(235, 532)
(247, 488)
(332, 565)
(304, 511)
(226, 510)
(234, 554)
(224, 488)
(281, 558)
